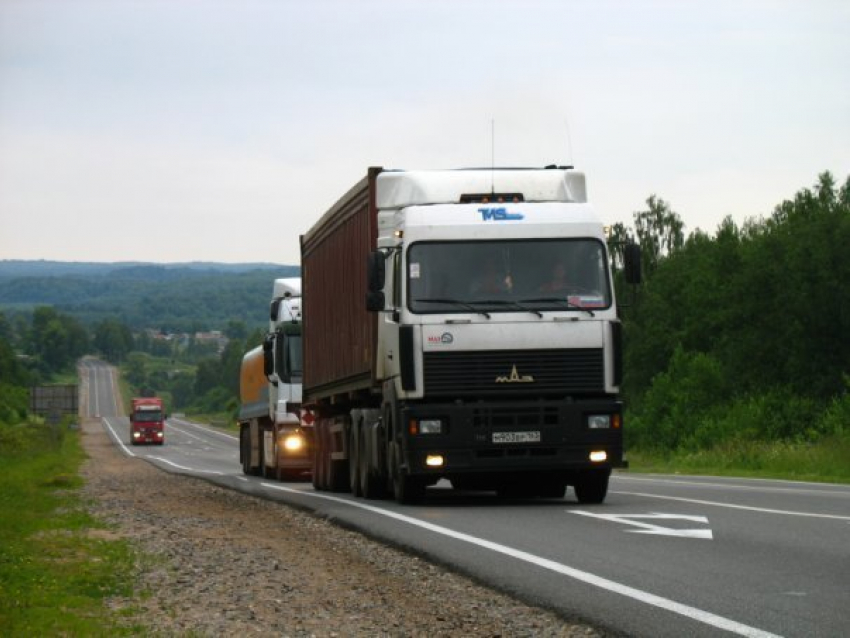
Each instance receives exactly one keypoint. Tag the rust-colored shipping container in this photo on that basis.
(339, 333)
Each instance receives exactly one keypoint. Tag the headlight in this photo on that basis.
(430, 426)
(137, 435)
(599, 421)
(434, 460)
(598, 456)
(293, 443)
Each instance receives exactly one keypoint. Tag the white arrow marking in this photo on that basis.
(649, 528)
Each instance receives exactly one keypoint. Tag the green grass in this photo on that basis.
(827, 460)
(57, 563)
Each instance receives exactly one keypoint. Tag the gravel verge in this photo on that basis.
(213, 562)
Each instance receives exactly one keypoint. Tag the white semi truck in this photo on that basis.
(274, 440)
(461, 325)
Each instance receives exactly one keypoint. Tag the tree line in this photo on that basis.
(143, 296)
(740, 335)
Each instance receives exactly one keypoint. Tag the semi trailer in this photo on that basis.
(462, 325)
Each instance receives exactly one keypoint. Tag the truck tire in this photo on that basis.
(355, 451)
(592, 486)
(265, 471)
(406, 489)
(319, 457)
(245, 450)
(371, 485)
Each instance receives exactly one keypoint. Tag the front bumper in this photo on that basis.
(507, 437)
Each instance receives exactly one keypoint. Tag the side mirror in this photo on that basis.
(268, 355)
(376, 271)
(274, 308)
(632, 263)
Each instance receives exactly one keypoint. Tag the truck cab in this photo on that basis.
(499, 347)
(147, 421)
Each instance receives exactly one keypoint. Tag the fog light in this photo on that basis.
(293, 443)
(597, 456)
(599, 421)
(434, 460)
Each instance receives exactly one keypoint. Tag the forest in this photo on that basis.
(733, 338)
(741, 336)
(166, 297)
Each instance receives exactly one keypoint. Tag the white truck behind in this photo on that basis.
(274, 441)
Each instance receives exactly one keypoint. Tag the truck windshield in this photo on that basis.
(293, 355)
(507, 276)
(148, 416)
(288, 353)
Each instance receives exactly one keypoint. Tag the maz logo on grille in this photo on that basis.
(515, 377)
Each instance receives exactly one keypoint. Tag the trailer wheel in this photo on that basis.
(355, 452)
(319, 456)
(592, 486)
(371, 485)
(245, 450)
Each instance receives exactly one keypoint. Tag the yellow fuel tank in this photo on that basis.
(253, 386)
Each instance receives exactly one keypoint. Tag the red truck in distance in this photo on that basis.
(147, 421)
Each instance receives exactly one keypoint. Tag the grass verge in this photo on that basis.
(58, 564)
(826, 461)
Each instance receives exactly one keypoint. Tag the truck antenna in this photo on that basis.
(492, 156)
(569, 141)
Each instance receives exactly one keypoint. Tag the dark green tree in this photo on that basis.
(113, 340)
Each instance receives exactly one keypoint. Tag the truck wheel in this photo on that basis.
(592, 486)
(245, 451)
(371, 485)
(318, 456)
(355, 451)
(406, 489)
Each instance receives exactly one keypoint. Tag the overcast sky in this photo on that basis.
(180, 130)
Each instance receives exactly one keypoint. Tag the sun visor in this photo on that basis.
(399, 189)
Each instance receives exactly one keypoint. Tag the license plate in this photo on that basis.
(516, 437)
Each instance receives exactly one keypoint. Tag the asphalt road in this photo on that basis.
(663, 556)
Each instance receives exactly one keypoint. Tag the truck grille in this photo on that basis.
(514, 372)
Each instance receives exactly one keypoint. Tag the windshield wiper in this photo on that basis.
(456, 302)
(569, 304)
(509, 302)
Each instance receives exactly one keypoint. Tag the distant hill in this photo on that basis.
(11, 268)
(172, 297)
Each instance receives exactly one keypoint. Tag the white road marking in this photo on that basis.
(732, 486)
(185, 433)
(648, 528)
(117, 438)
(183, 467)
(736, 507)
(586, 577)
(231, 437)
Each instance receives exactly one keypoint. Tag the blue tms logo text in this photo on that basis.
(498, 214)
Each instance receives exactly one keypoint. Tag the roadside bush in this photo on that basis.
(775, 415)
(836, 418)
(14, 401)
(678, 402)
